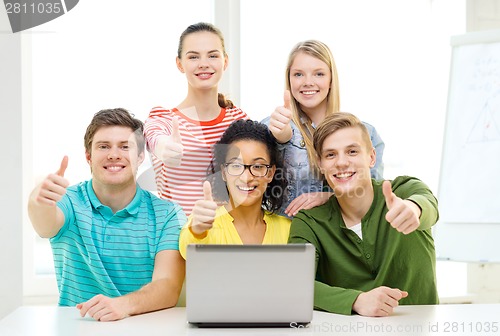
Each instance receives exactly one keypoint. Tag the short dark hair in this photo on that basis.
(256, 131)
(114, 117)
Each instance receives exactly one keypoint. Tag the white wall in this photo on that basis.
(93, 57)
(483, 15)
(483, 279)
(393, 61)
(10, 169)
(483, 282)
(12, 204)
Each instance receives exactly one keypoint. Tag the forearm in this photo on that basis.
(46, 219)
(284, 137)
(429, 210)
(162, 292)
(159, 145)
(164, 289)
(187, 236)
(334, 299)
(154, 127)
(156, 295)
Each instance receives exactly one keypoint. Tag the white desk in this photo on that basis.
(475, 319)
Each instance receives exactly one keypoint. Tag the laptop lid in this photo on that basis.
(238, 285)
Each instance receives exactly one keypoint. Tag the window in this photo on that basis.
(101, 54)
(393, 62)
(392, 56)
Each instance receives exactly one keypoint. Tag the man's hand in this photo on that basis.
(307, 201)
(403, 215)
(379, 301)
(169, 148)
(279, 123)
(53, 187)
(103, 308)
(203, 212)
(46, 217)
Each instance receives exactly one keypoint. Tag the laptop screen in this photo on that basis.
(250, 284)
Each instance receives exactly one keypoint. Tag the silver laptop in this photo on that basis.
(250, 285)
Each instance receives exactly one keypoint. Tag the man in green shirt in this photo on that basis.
(374, 246)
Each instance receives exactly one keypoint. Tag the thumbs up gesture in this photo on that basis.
(53, 187)
(403, 215)
(169, 148)
(279, 123)
(204, 211)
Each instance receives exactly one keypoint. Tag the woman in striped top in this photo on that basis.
(180, 139)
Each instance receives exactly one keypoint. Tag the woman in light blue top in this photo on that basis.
(312, 93)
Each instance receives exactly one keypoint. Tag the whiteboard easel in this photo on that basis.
(469, 185)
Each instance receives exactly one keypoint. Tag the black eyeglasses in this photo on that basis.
(256, 169)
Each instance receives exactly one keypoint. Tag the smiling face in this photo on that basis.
(202, 59)
(345, 160)
(114, 156)
(310, 81)
(246, 189)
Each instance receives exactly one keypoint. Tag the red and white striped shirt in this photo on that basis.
(184, 184)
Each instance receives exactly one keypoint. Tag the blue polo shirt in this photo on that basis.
(98, 252)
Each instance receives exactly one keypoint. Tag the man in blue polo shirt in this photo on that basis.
(115, 245)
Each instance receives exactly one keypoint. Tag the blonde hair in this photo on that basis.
(335, 122)
(320, 51)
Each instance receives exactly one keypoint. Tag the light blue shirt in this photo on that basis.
(98, 252)
(300, 178)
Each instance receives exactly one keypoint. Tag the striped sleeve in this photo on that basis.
(184, 184)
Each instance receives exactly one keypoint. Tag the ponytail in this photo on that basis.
(223, 102)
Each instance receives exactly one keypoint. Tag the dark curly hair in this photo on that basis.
(248, 130)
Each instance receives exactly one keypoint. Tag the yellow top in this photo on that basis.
(224, 232)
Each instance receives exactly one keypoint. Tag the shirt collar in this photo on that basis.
(132, 208)
(304, 121)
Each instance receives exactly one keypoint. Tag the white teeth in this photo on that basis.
(343, 175)
(246, 188)
(204, 75)
(114, 168)
(308, 92)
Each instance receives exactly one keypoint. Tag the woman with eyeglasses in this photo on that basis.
(246, 176)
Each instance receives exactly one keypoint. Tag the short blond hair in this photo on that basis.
(337, 121)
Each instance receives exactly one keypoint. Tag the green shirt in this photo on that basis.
(347, 265)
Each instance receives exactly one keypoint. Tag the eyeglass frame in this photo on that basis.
(247, 166)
